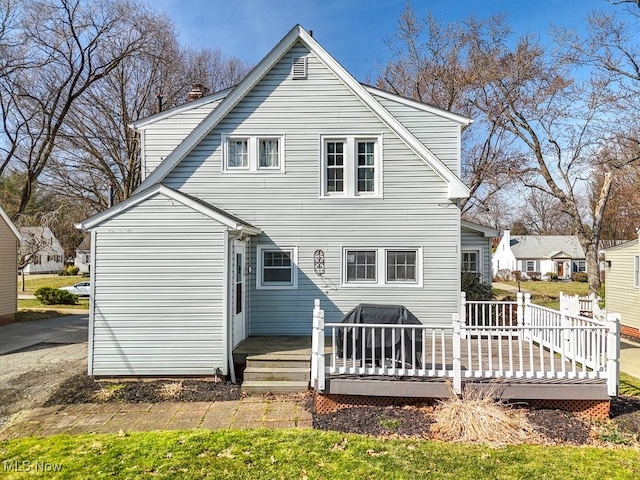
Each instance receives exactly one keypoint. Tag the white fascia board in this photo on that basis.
(486, 231)
(185, 107)
(209, 123)
(456, 189)
(10, 224)
(462, 120)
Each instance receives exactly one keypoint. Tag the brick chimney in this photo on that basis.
(197, 91)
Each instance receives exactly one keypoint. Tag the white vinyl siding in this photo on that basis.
(412, 214)
(162, 137)
(159, 292)
(440, 135)
(636, 271)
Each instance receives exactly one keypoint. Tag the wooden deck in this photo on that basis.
(513, 356)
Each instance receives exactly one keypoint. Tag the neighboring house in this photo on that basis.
(48, 254)
(298, 184)
(9, 241)
(476, 249)
(622, 293)
(82, 259)
(537, 255)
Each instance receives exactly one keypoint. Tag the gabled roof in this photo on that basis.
(211, 211)
(185, 107)
(456, 189)
(476, 227)
(630, 243)
(10, 224)
(546, 246)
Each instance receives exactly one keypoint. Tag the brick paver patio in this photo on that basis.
(249, 412)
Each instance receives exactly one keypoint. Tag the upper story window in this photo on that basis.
(351, 166)
(255, 153)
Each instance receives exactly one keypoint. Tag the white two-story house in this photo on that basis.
(298, 184)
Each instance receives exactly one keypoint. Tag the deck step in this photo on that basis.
(299, 374)
(271, 360)
(256, 386)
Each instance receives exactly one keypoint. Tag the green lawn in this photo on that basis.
(547, 294)
(310, 454)
(34, 282)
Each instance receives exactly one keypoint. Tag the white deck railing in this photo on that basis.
(492, 340)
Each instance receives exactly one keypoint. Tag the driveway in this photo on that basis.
(36, 357)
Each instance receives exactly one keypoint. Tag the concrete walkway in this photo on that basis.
(249, 412)
(630, 358)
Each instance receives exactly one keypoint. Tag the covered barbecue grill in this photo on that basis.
(382, 315)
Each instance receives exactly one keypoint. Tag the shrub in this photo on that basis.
(63, 273)
(54, 296)
(551, 276)
(72, 270)
(504, 275)
(535, 276)
(518, 275)
(601, 297)
(474, 288)
(580, 277)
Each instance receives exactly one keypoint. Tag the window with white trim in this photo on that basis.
(636, 271)
(582, 266)
(470, 261)
(351, 166)
(382, 266)
(255, 153)
(531, 266)
(277, 267)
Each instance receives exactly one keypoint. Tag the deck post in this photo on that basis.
(526, 317)
(457, 364)
(613, 354)
(317, 347)
(519, 309)
(463, 312)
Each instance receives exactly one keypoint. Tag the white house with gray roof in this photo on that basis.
(537, 255)
(298, 184)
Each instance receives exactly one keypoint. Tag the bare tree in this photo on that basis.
(69, 46)
(431, 64)
(99, 148)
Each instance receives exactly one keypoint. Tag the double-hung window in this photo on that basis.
(351, 166)
(582, 266)
(253, 153)
(382, 266)
(277, 267)
(470, 261)
(531, 266)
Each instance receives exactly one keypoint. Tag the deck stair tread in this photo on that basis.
(282, 386)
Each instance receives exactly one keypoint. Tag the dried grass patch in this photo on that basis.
(479, 417)
(172, 390)
(107, 391)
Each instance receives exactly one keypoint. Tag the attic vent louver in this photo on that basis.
(299, 68)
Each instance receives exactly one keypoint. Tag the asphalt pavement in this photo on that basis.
(69, 329)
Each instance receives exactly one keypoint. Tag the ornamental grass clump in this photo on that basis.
(479, 417)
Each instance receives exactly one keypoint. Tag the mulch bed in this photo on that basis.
(398, 421)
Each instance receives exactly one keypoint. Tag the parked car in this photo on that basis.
(81, 289)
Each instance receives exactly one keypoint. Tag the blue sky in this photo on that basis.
(352, 31)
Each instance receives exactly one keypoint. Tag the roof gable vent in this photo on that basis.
(299, 68)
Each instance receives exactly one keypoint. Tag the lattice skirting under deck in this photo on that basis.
(329, 403)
